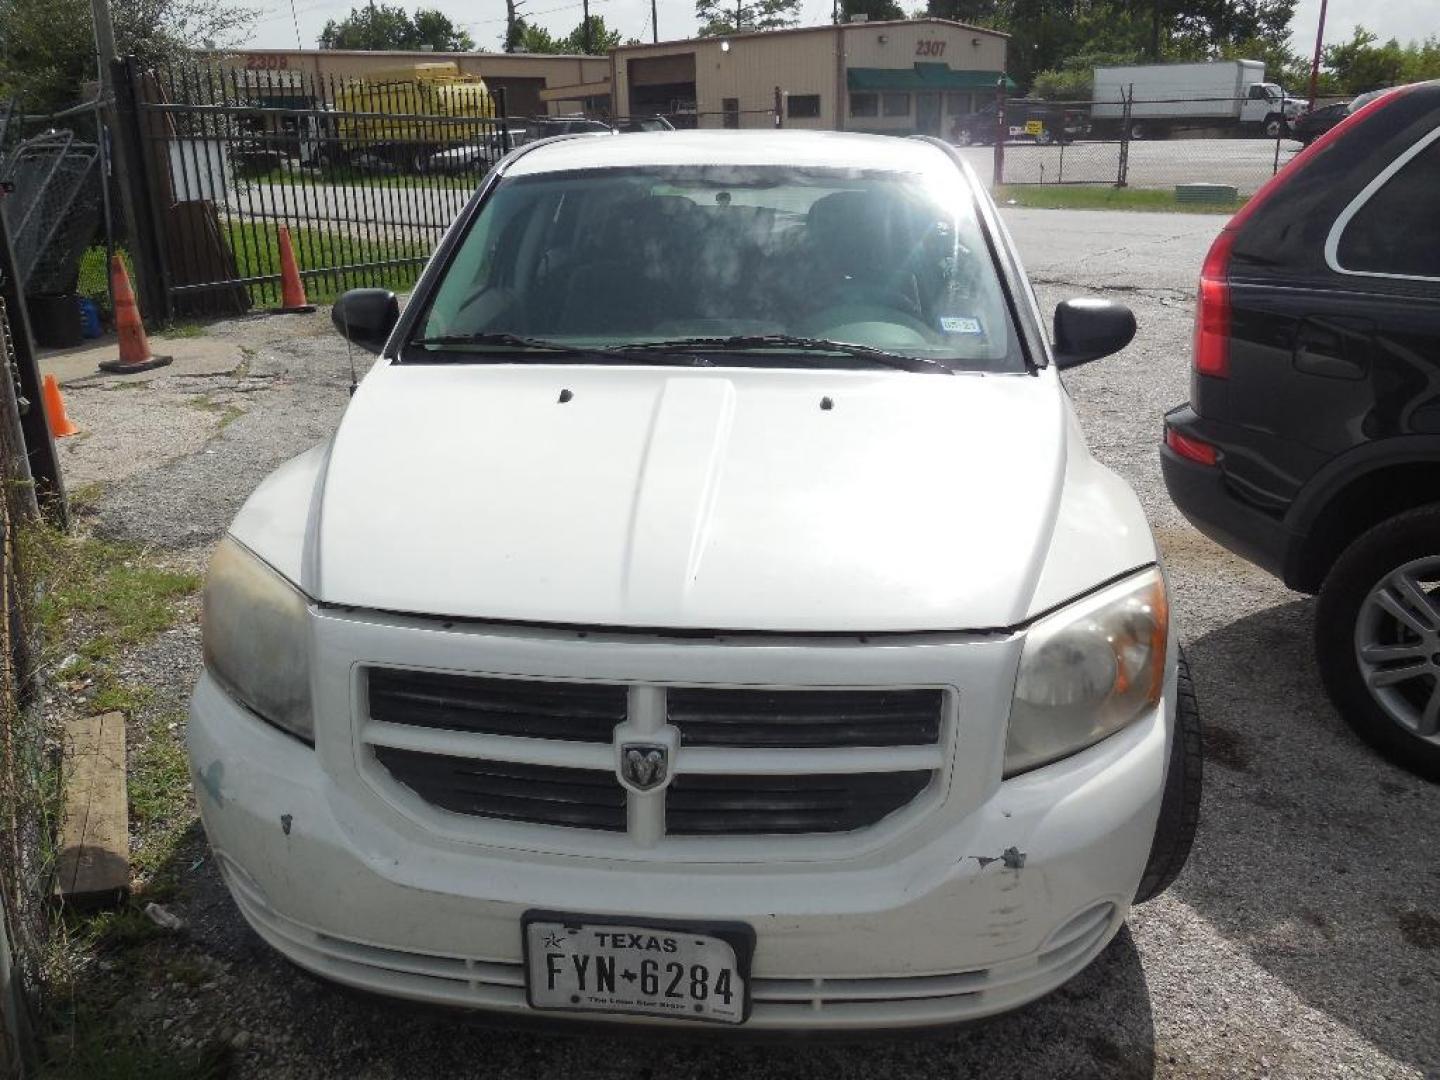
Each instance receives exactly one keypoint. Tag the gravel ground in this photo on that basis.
(1302, 940)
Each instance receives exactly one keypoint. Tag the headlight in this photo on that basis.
(1087, 671)
(256, 638)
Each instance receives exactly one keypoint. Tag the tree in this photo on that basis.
(530, 38)
(718, 17)
(974, 12)
(873, 10)
(48, 51)
(536, 39)
(380, 26)
(1361, 64)
(602, 38)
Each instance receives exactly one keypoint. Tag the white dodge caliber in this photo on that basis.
(707, 612)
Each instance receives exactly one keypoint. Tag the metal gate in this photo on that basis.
(364, 175)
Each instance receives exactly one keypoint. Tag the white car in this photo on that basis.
(706, 613)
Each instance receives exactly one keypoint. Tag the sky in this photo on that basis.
(485, 19)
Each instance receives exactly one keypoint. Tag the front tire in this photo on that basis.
(1274, 127)
(1377, 639)
(1180, 804)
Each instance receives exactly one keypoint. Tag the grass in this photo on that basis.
(256, 250)
(1087, 197)
(96, 600)
(350, 176)
(227, 412)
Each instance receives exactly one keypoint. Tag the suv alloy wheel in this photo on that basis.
(1377, 632)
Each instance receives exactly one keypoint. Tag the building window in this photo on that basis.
(897, 104)
(731, 107)
(864, 105)
(958, 103)
(803, 106)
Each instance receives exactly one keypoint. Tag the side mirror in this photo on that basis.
(366, 316)
(1086, 330)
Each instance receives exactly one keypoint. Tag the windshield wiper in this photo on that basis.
(742, 342)
(625, 354)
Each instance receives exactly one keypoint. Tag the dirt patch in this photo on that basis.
(1226, 747)
(1420, 929)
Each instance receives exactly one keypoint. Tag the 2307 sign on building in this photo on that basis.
(930, 48)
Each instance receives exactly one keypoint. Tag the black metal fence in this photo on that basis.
(365, 176)
(1144, 143)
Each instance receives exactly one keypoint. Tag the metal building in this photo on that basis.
(906, 76)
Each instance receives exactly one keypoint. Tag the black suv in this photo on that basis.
(1311, 443)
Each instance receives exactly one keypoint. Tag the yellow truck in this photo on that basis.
(403, 116)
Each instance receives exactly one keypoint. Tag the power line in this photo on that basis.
(533, 14)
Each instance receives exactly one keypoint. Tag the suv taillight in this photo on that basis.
(1212, 310)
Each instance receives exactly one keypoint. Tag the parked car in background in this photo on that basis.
(1041, 122)
(715, 669)
(481, 153)
(1311, 125)
(1311, 442)
(546, 127)
(631, 124)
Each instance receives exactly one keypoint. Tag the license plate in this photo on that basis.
(684, 971)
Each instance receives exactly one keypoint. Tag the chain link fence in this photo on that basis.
(1149, 143)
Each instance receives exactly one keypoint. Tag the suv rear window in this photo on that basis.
(614, 257)
(1397, 230)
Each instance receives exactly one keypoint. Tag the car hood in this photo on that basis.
(680, 498)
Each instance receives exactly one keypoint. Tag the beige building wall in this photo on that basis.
(812, 61)
(901, 45)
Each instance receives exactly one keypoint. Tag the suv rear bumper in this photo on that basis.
(1209, 502)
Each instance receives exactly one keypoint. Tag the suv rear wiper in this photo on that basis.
(741, 342)
(625, 354)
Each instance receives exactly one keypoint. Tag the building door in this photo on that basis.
(927, 113)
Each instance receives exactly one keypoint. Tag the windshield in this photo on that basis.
(610, 258)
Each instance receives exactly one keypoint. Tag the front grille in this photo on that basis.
(541, 794)
(804, 803)
(750, 762)
(579, 712)
(806, 718)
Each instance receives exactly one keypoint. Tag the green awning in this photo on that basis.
(922, 77)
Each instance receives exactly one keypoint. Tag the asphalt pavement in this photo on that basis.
(1303, 939)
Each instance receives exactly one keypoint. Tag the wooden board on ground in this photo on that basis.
(94, 864)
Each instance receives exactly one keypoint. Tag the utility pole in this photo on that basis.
(1155, 32)
(1315, 64)
(586, 24)
(739, 16)
(654, 23)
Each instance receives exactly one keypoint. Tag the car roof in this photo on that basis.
(814, 149)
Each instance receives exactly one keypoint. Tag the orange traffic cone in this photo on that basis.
(60, 424)
(135, 352)
(292, 289)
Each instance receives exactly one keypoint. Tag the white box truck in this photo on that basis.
(1213, 94)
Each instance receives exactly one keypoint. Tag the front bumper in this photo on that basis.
(948, 931)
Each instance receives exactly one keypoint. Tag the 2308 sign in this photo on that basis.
(930, 48)
(266, 62)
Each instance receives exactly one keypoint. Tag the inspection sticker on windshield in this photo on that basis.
(960, 324)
